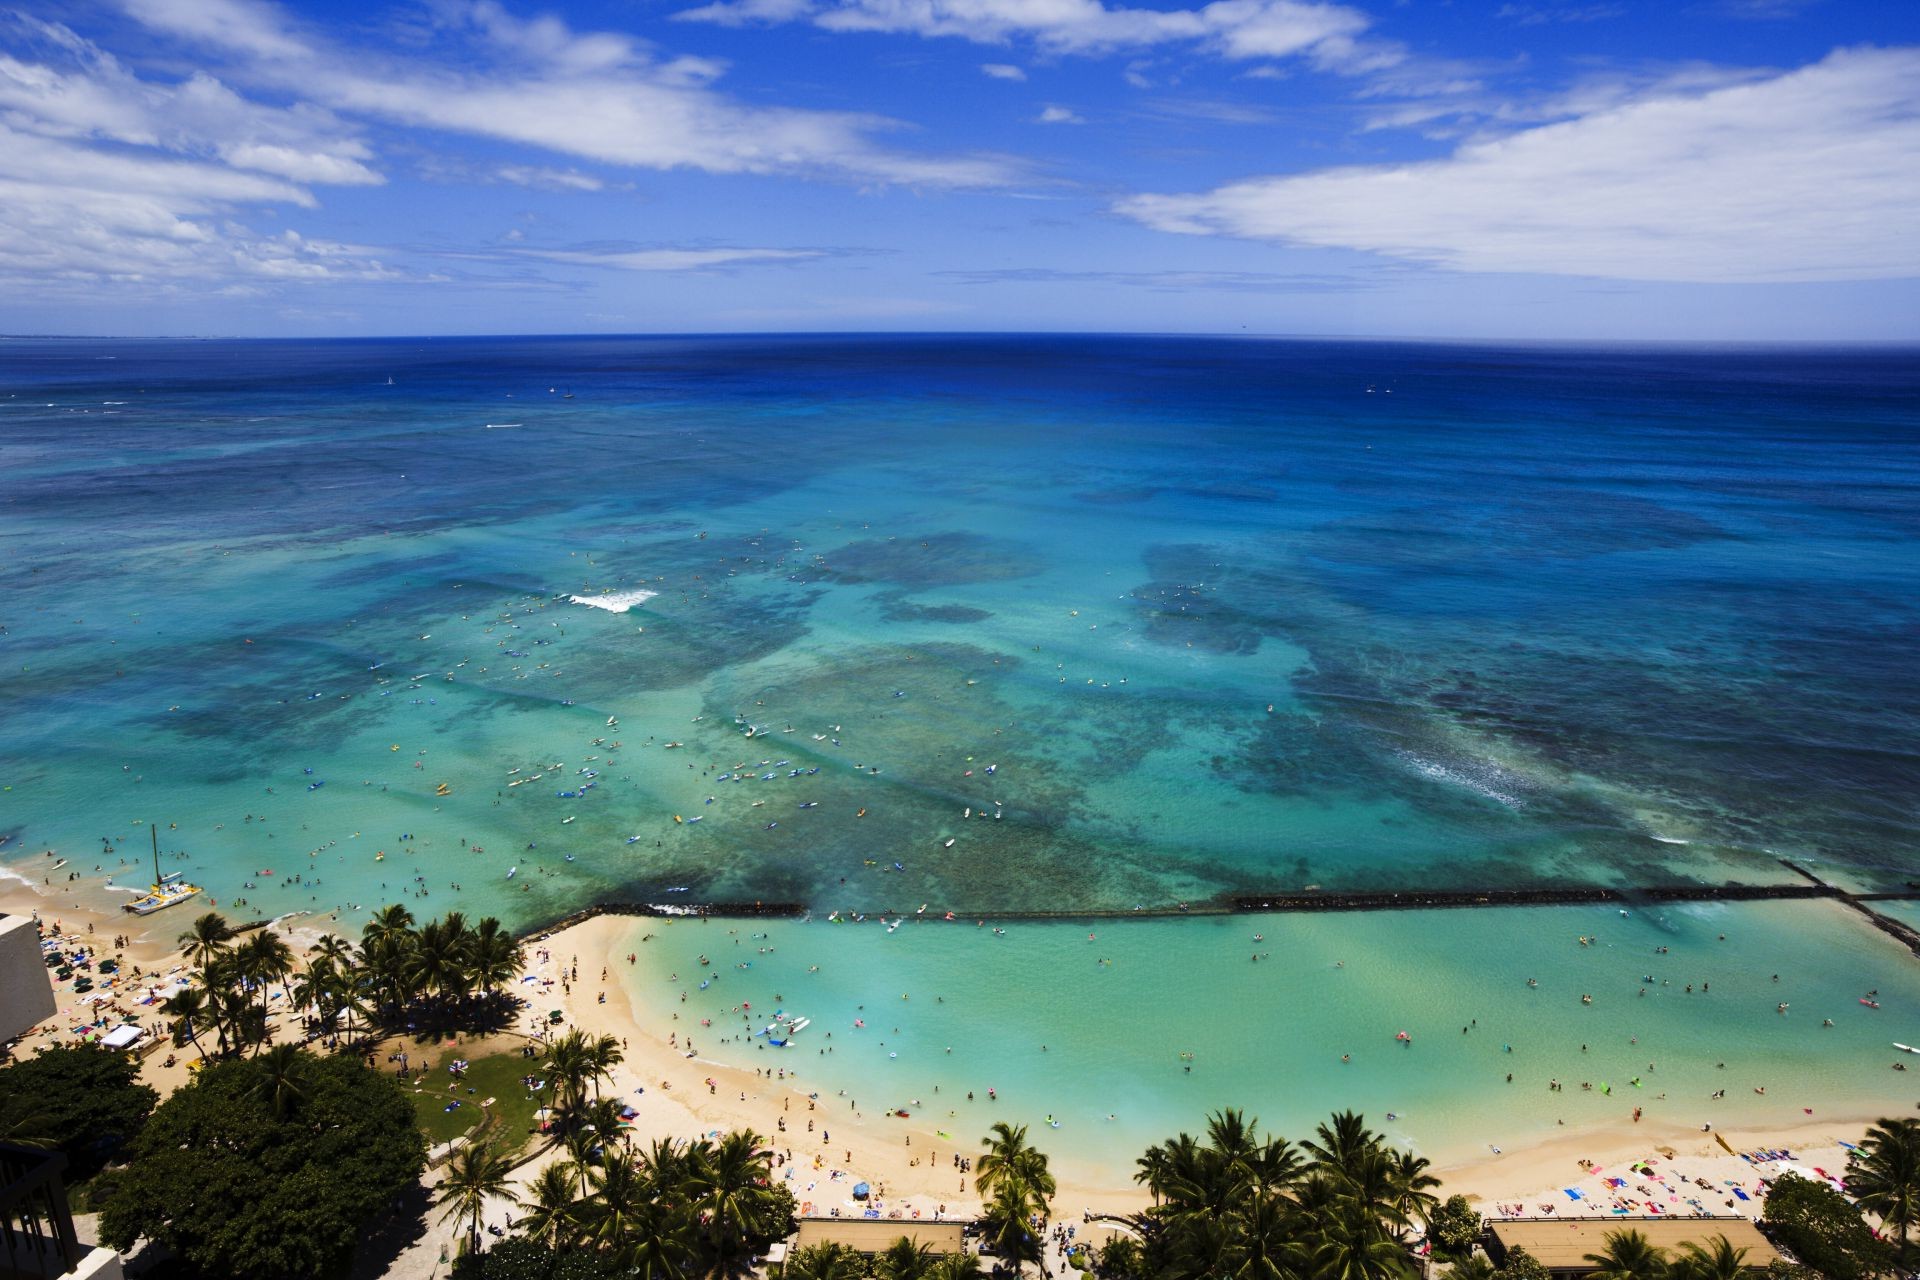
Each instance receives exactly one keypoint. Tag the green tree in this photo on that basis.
(84, 1101)
(281, 1079)
(1454, 1228)
(206, 939)
(550, 1212)
(191, 1015)
(1006, 1224)
(1883, 1176)
(1008, 1158)
(903, 1260)
(477, 1173)
(824, 1262)
(955, 1266)
(1628, 1255)
(1823, 1229)
(1521, 1265)
(1716, 1260)
(727, 1182)
(236, 1190)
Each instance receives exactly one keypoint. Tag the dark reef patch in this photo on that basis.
(896, 606)
(936, 560)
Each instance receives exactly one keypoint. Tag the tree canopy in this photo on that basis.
(82, 1100)
(274, 1166)
(1823, 1229)
(1237, 1203)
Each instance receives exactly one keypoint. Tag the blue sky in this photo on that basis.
(1745, 169)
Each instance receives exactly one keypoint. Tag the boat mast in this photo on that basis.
(156, 852)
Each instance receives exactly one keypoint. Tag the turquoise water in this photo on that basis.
(1130, 622)
(1018, 624)
(1077, 1028)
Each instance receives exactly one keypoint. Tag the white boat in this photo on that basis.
(168, 890)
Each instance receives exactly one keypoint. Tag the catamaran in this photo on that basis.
(168, 890)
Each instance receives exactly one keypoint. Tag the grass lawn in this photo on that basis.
(497, 1077)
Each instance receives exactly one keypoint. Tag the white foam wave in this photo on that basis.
(1463, 778)
(502, 426)
(1672, 840)
(616, 601)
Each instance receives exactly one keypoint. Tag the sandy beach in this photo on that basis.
(826, 1141)
(911, 1159)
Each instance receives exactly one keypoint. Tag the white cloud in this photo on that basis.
(1002, 71)
(1231, 28)
(1058, 115)
(106, 175)
(1812, 174)
(669, 259)
(536, 82)
(545, 179)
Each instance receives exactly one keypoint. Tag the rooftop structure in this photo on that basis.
(26, 993)
(1562, 1244)
(875, 1235)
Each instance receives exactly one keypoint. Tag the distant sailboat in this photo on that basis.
(389, 379)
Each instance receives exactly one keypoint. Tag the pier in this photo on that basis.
(1806, 887)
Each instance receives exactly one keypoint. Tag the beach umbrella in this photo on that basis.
(860, 1191)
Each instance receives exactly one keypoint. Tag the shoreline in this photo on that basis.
(1488, 1178)
(909, 1160)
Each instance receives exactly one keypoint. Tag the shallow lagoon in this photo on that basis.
(1116, 1010)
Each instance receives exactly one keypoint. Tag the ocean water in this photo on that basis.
(1018, 623)
(1122, 1033)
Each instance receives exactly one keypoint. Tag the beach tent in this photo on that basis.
(124, 1036)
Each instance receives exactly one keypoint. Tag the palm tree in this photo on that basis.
(552, 1215)
(727, 1184)
(1883, 1177)
(188, 1009)
(1006, 1224)
(334, 949)
(281, 1079)
(1718, 1260)
(439, 958)
(621, 1197)
(493, 956)
(666, 1164)
(581, 1143)
(1008, 1158)
(659, 1243)
(955, 1266)
(391, 923)
(476, 1174)
(1472, 1267)
(1349, 1243)
(569, 1068)
(1629, 1256)
(903, 1260)
(206, 939)
(825, 1262)
(1264, 1242)
(263, 959)
(1342, 1142)
(1413, 1197)
(602, 1056)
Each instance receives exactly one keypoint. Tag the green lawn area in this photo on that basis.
(496, 1077)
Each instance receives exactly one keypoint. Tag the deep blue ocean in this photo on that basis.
(1015, 622)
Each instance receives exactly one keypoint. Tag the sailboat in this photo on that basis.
(168, 890)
